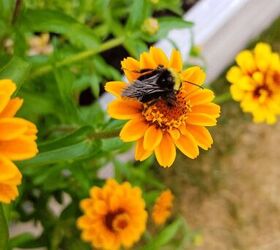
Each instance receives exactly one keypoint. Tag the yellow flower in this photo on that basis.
(114, 216)
(256, 83)
(17, 141)
(162, 208)
(157, 126)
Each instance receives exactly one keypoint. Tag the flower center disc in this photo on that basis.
(116, 221)
(166, 116)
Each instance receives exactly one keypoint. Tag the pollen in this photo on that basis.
(166, 116)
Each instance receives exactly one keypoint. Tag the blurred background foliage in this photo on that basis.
(60, 53)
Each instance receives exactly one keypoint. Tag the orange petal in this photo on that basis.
(115, 87)
(166, 151)
(176, 61)
(124, 109)
(147, 61)
(12, 107)
(201, 97)
(7, 88)
(7, 193)
(152, 138)
(8, 170)
(211, 109)
(194, 74)
(201, 136)
(175, 133)
(130, 66)
(10, 128)
(187, 145)
(159, 56)
(134, 130)
(140, 153)
(20, 148)
(201, 119)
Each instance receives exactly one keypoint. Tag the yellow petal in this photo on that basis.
(7, 88)
(201, 119)
(131, 67)
(187, 145)
(246, 61)
(115, 87)
(124, 109)
(211, 109)
(176, 61)
(12, 107)
(234, 74)
(159, 56)
(133, 130)
(201, 97)
(194, 75)
(20, 148)
(166, 151)
(10, 128)
(140, 153)
(175, 133)
(7, 193)
(152, 138)
(8, 170)
(147, 61)
(201, 135)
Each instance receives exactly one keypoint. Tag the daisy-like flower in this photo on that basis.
(162, 208)
(157, 126)
(17, 141)
(256, 83)
(114, 216)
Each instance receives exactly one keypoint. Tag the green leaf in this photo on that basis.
(70, 139)
(6, 9)
(165, 236)
(63, 154)
(139, 10)
(4, 233)
(135, 47)
(17, 70)
(54, 21)
(20, 240)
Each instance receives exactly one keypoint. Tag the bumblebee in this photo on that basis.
(155, 84)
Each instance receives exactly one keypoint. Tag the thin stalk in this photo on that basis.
(78, 57)
(104, 134)
(4, 231)
(222, 98)
(16, 11)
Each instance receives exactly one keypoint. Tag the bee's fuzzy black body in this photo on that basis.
(153, 85)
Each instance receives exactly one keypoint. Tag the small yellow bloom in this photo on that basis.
(162, 208)
(256, 83)
(114, 216)
(150, 26)
(157, 126)
(17, 141)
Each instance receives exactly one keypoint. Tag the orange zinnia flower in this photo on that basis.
(17, 141)
(157, 126)
(114, 216)
(162, 208)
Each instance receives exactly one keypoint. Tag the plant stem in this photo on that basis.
(104, 134)
(78, 57)
(4, 232)
(16, 11)
(222, 98)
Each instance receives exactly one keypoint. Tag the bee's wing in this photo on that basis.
(142, 89)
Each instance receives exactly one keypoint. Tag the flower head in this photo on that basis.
(162, 208)
(157, 126)
(17, 141)
(114, 216)
(150, 26)
(256, 83)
